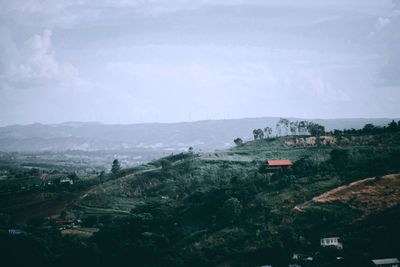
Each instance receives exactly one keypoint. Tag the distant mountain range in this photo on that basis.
(93, 136)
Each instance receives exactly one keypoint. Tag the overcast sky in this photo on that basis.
(121, 61)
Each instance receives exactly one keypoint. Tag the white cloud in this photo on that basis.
(313, 81)
(242, 57)
(144, 71)
(386, 37)
(384, 21)
(203, 76)
(44, 13)
(36, 64)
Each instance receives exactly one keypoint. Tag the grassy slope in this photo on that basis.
(369, 195)
(151, 181)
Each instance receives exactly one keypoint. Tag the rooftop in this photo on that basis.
(386, 261)
(284, 162)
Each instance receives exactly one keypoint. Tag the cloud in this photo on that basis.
(144, 71)
(312, 82)
(195, 75)
(386, 37)
(35, 64)
(43, 13)
(384, 21)
(68, 13)
(159, 57)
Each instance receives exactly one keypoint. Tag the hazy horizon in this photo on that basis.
(201, 120)
(194, 121)
(158, 61)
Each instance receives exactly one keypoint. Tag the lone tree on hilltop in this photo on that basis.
(116, 166)
(302, 127)
(258, 134)
(268, 131)
(293, 126)
(315, 129)
(238, 141)
(283, 124)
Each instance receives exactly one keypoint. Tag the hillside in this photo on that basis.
(222, 208)
(368, 195)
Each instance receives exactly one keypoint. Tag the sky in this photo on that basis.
(121, 61)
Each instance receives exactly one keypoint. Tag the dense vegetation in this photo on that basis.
(225, 209)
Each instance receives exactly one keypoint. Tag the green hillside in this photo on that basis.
(222, 208)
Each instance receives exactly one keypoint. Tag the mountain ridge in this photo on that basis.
(94, 136)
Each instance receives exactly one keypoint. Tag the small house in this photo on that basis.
(16, 232)
(297, 256)
(331, 242)
(273, 165)
(304, 257)
(66, 181)
(392, 262)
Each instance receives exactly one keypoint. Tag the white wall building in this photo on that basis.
(394, 262)
(331, 242)
(67, 181)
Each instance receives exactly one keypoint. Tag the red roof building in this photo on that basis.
(279, 163)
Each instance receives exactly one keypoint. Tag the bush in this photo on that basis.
(231, 210)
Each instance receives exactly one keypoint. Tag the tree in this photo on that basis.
(165, 164)
(238, 141)
(263, 169)
(293, 127)
(337, 132)
(231, 209)
(340, 158)
(268, 131)
(258, 134)
(369, 128)
(101, 176)
(284, 124)
(392, 127)
(116, 167)
(73, 177)
(63, 214)
(315, 129)
(302, 127)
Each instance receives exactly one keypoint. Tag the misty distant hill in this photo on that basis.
(92, 136)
